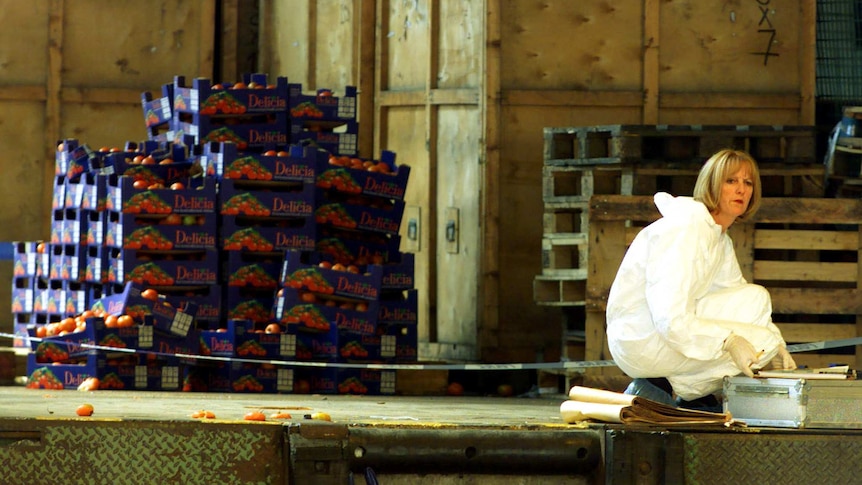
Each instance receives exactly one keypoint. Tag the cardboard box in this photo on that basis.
(158, 111)
(399, 276)
(335, 174)
(164, 317)
(400, 308)
(399, 343)
(295, 164)
(75, 226)
(67, 262)
(239, 339)
(240, 377)
(208, 98)
(192, 267)
(323, 105)
(206, 298)
(342, 142)
(300, 312)
(95, 195)
(385, 217)
(352, 381)
(162, 232)
(254, 131)
(199, 197)
(97, 266)
(248, 269)
(24, 258)
(23, 294)
(248, 304)
(267, 235)
(299, 274)
(239, 197)
(357, 247)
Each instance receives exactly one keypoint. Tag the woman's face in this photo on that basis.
(736, 191)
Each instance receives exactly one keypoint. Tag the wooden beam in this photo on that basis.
(100, 95)
(489, 284)
(807, 62)
(431, 139)
(454, 96)
(759, 101)
(773, 209)
(208, 31)
(53, 107)
(562, 98)
(229, 40)
(311, 41)
(24, 93)
(651, 44)
(365, 73)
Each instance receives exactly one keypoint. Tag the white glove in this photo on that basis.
(742, 353)
(783, 360)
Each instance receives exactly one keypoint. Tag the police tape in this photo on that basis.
(561, 365)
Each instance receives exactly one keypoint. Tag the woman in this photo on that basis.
(680, 316)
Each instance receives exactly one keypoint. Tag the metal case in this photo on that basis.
(794, 403)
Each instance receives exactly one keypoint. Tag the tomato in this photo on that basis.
(89, 384)
(272, 328)
(140, 184)
(254, 416)
(455, 389)
(148, 160)
(40, 248)
(301, 387)
(150, 294)
(84, 410)
(125, 321)
(280, 415)
(203, 414)
(178, 186)
(111, 321)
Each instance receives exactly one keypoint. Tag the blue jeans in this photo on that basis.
(643, 388)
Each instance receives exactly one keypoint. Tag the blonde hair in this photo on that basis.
(715, 172)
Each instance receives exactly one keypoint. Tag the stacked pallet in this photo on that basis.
(629, 160)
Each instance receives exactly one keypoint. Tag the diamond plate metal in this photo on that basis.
(138, 452)
(789, 458)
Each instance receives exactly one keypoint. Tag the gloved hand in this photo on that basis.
(742, 353)
(783, 360)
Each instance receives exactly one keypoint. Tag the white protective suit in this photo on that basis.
(678, 294)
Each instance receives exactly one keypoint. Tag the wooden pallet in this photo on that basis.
(568, 290)
(564, 185)
(612, 144)
(564, 254)
(806, 252)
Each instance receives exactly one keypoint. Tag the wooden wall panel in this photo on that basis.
(284, 40)
(405, 42)
(86, 122)
(460, 48)
(24, 51)
(137, 45)
(561, 44)
(741, 47)
(458, 181)
(24, 209)
(408, 143)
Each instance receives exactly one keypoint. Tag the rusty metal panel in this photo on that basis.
(133, 452)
